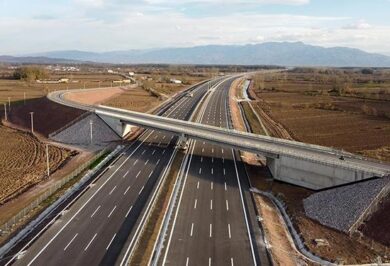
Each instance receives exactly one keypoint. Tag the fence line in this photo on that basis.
(8, 225)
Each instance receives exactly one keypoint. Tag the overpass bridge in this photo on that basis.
(298, 163)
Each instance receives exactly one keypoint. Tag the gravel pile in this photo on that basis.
(340, 207)
(79, 133)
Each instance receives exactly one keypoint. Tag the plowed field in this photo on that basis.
(316, 109)
(23, 161)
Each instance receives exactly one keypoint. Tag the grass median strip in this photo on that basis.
(144, 249)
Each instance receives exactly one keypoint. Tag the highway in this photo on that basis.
(214, 216)
(98, 226)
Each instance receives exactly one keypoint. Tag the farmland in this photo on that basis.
(152, 90)
(15, 89)
(23, 161)
(337, 108)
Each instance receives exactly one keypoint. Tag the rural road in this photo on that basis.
(96, 227)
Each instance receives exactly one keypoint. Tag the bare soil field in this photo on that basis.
(135, 99)
(95, 97)
(23, 162)
(325, 111)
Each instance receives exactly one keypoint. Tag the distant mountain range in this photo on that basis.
(271, 53)
(35, 60)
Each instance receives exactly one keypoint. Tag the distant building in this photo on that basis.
(110, 71)
(63, 80)
(131, 74)
(176, 81)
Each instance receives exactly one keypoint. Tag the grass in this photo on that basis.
(252, 119)
(98, 160)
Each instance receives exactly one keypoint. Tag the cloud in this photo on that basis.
(270, 2)
(140, 26)
(91, 3)
(359, 25)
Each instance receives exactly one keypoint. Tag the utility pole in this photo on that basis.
(9, 104)
(91, 133)
(84, 85)
(47, 160)
(5, 112)
(32, 122)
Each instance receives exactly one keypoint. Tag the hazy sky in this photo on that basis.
(28, 26)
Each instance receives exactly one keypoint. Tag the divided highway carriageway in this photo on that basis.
(99, 227)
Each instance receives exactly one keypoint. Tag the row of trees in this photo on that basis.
(30, 73)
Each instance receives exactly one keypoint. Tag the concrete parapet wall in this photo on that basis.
(312, 174)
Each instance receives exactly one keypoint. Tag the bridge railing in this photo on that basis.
(248, 142)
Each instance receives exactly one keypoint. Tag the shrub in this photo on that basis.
(30, 73)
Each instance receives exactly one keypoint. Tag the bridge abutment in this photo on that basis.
(312, 174)
(119, 127)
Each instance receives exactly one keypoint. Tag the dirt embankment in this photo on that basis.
(48, 116)
(339, 246)
(378, 226)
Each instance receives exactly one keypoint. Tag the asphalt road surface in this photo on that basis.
(214, 221)
(96, 227)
